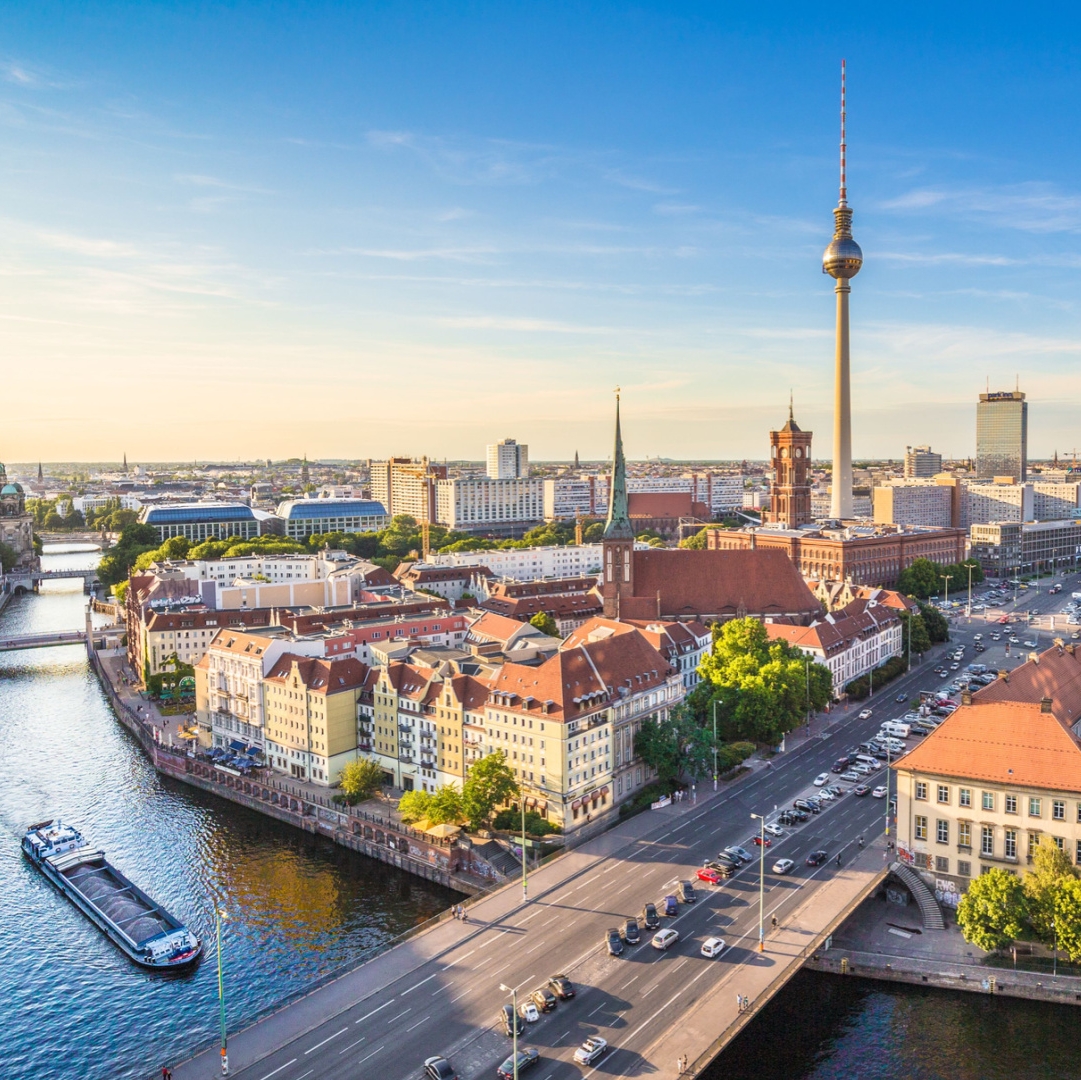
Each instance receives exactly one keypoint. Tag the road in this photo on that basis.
(449, 1004)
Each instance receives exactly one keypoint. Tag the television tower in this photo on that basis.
(842, 260)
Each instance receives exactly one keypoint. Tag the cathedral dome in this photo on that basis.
(11, 489)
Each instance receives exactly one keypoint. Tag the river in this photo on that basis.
(298, 906)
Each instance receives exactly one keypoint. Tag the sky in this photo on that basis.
(360, 229)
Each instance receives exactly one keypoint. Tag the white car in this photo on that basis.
(826, 795)
(879, 793)
(713, 946)
(1030, 645)
(528, 1012)
(822, 778)
(865, 714)
(783, 866)
(774, 830)
(663, 938)
(594, 1047)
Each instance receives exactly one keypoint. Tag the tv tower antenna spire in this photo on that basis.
(843, 201)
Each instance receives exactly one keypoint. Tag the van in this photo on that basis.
(896, 729)
(869, 760)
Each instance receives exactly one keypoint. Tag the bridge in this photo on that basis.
(97, 539)
(20, 580)
(50, 640)
(439, 991)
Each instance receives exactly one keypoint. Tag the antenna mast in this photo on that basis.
(844, 185)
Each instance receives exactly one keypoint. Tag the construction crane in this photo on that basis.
(425, 540)
(578, 529)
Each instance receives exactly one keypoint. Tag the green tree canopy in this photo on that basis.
(675, 746)
(696, 542)
(8, 557)
(993, 911)
(414, 805)
(1068, 917)
(914, 635)
(923, 578)
(1050, 869)
(938, 626)
(545, 623)
(445, 807)
(490, 783)
(360, 779)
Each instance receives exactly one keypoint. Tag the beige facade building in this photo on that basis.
(405, 486)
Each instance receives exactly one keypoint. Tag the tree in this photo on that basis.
(938, 626)
(696, 542)
(546, 624)
(445, 806)
(360, 779)
(992, 912)
(1051, 868)
(920, 579)
(8, 557)
(674, 745)
(594, 533)
(120, 591)
(490, 783)
(914, 635)
(1068, 917)
(414, 805)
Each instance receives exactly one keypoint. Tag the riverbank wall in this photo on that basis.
(452, 863)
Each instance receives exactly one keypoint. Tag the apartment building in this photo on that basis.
(1011, 549)
(405, 486)
(916, 502)
(920, 461)
(507, 460)
(529, 564)
(311, 715)
(481, 504)
(999, 501)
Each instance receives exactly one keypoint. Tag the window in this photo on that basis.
(1011, 804)
(964, 869)
(1034, 806)
(988, 800)
(1058, 810)
(942, 831)
(1077, 854)
(987, 840)
(943, 793)
(964, 834)
(921, 790)
(921, 827)
(964, 796)
(942, 864)
(1033, 843)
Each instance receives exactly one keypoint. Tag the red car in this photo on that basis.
(707, 874)
(768, 841)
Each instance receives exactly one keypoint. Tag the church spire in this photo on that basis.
(618, 525)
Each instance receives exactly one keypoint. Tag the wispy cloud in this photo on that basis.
(454, 254)
(28, 76)
(542, 326)
(90, 246)
(1034, 206)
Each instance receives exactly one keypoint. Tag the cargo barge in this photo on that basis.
(145, 931)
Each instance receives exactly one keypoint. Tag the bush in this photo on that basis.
(511, 821)
(859, 688)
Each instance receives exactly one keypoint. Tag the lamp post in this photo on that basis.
(761, 882)
(807, 669)
(219, 915)
(514, 1024)
(525, 883)
(889, 758)
(968, 609)
(946, 579)
(715, 704)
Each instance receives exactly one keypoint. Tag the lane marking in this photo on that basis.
(352, 1044)
(653, 1017)
(533, 915)
(561, 1038)
(399, 1016)
(374, 1011)
(464, 956)
(539, 945)
(372, 1054)
(421, 983)
(308, 1073)
(279, 1069)
(326, 1040)
(419, 1022)
(598, 1008)
(626, 984)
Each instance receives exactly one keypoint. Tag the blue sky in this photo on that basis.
(360, 229)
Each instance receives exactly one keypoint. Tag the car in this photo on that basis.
(774, 830)
(438, 1068)
(709, 875)
(861, 789)
(593, 1049)
(631, 934)
(954, 667)
(723, 870)
(544, 999)
(800, 815)
(562, 987)
(826, 795)
(851, 776)
(865, 714)
(740, 853)
(879, 792)
(810, 806)
(783, 866)
(863, 769)
(670, 905)
(613, 942)
(786, 817)
(685, 891)
(527, 1056)
(977, 637)
(664, 938)
(1030, 645)
(762, 842)
(728, 860)
(511, 1021)
(650, 919)
(901, 699)
(712, 946)
(817, 858)
(823, 778)
(529, 1012)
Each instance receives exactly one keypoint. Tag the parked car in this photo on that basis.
(529, 1012)
(709, 875)
(713, 946)
(722, 869)
(851, 776)
(593, 1049)
(824, 778)
(511, 1021)
(783, 866)
(879, 793)
(728, 860)
(544, 999)
(767, 842)
(631, 934)
(664, 938)
(806, 805)
(816, 858)
(613, 942)
(438, 1068)
(685, 891)
(800, 815)
(670, 906)
(739, 853)
(527, 1056)
(650, 919)
(562, 987)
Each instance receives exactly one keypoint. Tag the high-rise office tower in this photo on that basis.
(1002, 435)
(842, 261)
(921, 462)
(507, 460)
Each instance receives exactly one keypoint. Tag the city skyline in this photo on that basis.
(295, 230)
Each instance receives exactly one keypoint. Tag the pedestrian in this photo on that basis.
(739, 1002)
(166, 1073)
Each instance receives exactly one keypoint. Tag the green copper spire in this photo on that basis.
(618, 526)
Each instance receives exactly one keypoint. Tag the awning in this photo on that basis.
(604, 790)
(237, 745)
(576, 804)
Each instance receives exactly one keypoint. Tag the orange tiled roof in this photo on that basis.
(1001, 742)
(1056, 675)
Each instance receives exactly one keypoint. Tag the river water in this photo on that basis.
(299, 907)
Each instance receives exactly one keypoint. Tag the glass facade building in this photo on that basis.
(1002, 435)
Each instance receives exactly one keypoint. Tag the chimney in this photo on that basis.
(1070, 648)
(966, 697)
(1045, 704)
(1004, 676)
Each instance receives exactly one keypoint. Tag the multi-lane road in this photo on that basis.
(448, 1002)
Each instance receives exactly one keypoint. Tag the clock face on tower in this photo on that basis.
(784, 451)
(798, 452)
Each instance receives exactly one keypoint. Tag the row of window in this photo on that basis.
(987, 801)
(987, 837)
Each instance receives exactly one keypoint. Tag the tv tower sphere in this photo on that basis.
(843, 258)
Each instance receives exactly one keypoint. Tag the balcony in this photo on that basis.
(406, 759)
(365, 745)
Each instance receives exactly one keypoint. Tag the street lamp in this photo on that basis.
(514, 1024)
(968, 611)
(716, 702)
(220, 915)
(761, 882)
(889, 758)
(946, 601)
(525, 885)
